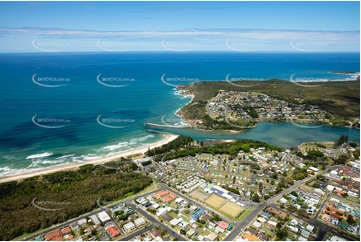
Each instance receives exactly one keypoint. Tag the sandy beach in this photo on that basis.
(167, 138)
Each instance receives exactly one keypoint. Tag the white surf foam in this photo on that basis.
(42, 155)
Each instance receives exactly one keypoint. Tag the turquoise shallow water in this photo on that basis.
(79, 95)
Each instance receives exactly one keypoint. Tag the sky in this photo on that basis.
(180, 26)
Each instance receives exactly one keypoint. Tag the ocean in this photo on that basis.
(71, 107)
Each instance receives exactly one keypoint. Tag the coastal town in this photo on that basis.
(260, 195)
(245, 109)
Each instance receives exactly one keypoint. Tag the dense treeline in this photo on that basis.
(223, 148)
(24, 206)
(179, 142)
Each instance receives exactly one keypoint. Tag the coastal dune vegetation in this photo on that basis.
(41, 201)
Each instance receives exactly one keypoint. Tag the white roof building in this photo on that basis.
(82, 221)
(257, 224)
(104, 217)
(161, 211)
(94, 219)
(174, 222)
(310, 228)
(139, 221)
(129, 227)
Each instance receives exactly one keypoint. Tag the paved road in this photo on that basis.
(137, 233)
(320, 225)
(154, 222)
(240, 226)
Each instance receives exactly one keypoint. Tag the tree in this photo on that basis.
(282, 234)
(279, 226)
(182, 231)
(351, 220)
(255, 198)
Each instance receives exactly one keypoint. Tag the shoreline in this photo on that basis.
(72, 166)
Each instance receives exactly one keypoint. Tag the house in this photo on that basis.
(66, 230)
(190, 232)
(293, 229)
(211, 225)
(248, 237)
(272, 223)
(219, 230)
(283, 200)
(294, 198)
(160, 211)
(294, 222)
(132, 217)
(206, 217)
(183, 224)
(302, 239)
(266, 215)
(112, 231)
(104, 217)
(54, 235)
(223, 225)
(167, 217)
(319, 191)
(257, 225)
(252, 231)
(263, 237)
(305, 233)
(95, 219)
(82, 222)
(74, 226)
(155, 233)
(330, 188)
(197, 214)
(310, 228)
(261, 219)
(212, 236)
(179, 200)
(129, 227)
(174, 222)
(139, 221)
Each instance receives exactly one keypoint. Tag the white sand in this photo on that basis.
(168, 138)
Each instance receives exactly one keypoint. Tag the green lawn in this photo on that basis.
(245, 214)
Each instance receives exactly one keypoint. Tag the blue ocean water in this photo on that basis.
(71, 107)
